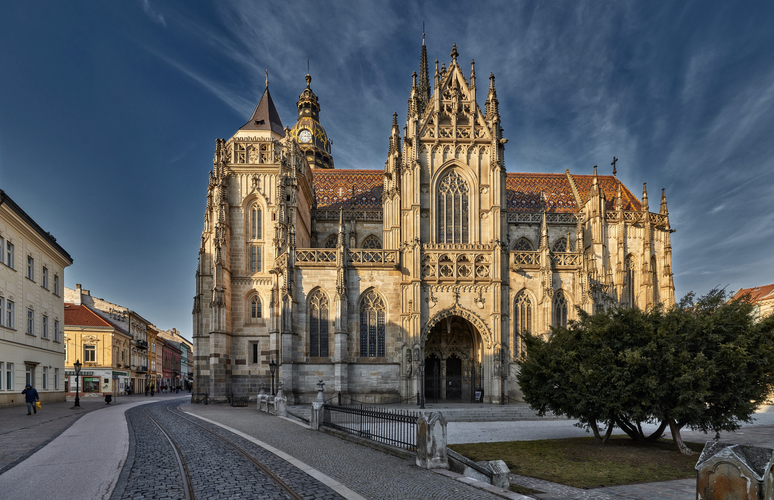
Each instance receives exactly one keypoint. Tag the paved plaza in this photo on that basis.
(118, 452)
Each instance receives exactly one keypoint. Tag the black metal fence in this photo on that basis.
(200, 397)
(393, 427)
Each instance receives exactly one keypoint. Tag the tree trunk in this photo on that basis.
(681, 447)
(595, 430)
(658, 433)
(627, 428)
(610, 426)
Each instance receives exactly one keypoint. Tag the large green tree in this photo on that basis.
(703, 364)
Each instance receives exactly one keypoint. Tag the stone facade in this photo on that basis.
(435, 263)
(32, 268)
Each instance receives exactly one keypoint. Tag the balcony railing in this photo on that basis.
(142, 344)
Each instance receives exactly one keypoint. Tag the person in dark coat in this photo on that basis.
(31, 396)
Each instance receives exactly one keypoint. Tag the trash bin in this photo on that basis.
(108, 398)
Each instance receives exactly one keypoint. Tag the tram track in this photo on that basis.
(187, 483)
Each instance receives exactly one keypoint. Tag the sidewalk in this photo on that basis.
(22, 435)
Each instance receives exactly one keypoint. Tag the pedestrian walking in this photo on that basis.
(31, 396)
(146, 390)
(153, 390)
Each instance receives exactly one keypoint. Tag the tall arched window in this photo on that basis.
(255, 308)
(371, 325)
(453, 218)
(654, 279)
(318, 324)
(372, 242)
(629, 284)
(560, 309)
(560, 245)
(256, 223)
(522, 318)
(523, 245)
(331, 241)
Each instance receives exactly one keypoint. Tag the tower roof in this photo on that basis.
(265, 116)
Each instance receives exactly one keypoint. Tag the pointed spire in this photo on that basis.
(544, 232)
(492, 105)
(267, 78)
(454, 55)
(341, 227)
(645, 196)
(619, 197)
(394, 135)
(265, 115)
(437, 79)
(423, 91)
(663, 210)
(473, 73)
(307, 104)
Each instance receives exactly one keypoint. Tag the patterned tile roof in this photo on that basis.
(83, 316)
(335, 188)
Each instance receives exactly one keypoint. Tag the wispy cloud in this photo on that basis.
(151, 13)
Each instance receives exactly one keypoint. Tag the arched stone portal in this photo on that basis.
(453, 353)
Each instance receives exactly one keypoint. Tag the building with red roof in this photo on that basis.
(435, 262)
(761, 296)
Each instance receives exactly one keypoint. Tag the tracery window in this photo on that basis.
(629, 284)
(371, 325)
(522, 318)
(318, 324)
(523, 245)
(654, 279)
(255, 308)
(331, 241)
(560, 245)
(452, 210)
(560, 309)
(372, 242)
(256, 223)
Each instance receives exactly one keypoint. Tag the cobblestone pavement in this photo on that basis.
(372, 474)
(217, 470)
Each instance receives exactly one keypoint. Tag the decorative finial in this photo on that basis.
(395, 119)
(613, 164)
(454, 54)
(308, 80)
(267, 78)
(595, 170)
(423, 32)
(491, 81)
(414, 79)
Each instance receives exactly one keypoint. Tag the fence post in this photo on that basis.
(431, 441)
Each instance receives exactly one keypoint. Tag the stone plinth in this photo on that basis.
(431, 441)
(734, 472)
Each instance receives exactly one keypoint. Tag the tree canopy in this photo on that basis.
(703, 363)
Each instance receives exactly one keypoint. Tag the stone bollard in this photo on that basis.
(261, 396)
(317, 407)
(500, 473)
(734, 472)
(280, 402)
(431, 441)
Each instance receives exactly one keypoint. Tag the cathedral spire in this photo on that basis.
(619, 197)
(265, 115)
(645, 196)
(454, 55)
(663, 210)
(492, 104)
(394, 135)
(423, 90)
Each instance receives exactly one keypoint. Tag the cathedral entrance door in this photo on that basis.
(453, 377)
(432, 378)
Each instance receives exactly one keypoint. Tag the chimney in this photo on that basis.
(77, 299)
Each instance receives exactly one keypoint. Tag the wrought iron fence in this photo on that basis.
(393, 427)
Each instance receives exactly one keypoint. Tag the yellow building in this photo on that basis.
(154, 369)
(103, 350)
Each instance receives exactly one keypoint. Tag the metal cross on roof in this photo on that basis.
(613, 164)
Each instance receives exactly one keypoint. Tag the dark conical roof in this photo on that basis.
(265, 116)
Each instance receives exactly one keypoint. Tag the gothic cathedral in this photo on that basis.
(369, 279)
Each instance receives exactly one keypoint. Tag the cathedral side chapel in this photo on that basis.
(367, 279)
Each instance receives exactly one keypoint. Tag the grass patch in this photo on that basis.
(584, 463)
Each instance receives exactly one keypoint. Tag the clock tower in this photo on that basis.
(308, 132)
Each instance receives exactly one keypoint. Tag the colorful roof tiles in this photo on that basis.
(357, 189)
(609, 186)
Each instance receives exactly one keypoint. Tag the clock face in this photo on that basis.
(305, 136)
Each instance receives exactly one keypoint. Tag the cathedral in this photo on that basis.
(416, 277)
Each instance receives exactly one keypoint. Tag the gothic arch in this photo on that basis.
(331, 241)
(456, 310)
(372, 312)
(561, 245)
(371, 241)
(523, 244)
(630, 281)
(524, 308)
(465, 172)
(560, 308)
(318, 312)
(254, 306)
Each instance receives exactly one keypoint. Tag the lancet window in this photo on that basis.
(629, 284)
(371, 325)
(318, 324)
(560, 308)
(255, 308)
(560, 245)
(522, 318)
(256, 223)
(523, 245)
(654, 279)
(372, 242)
(331, 241)
(453, 209)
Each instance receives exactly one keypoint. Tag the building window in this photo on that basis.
(452, 209)
(372, 242)
(256, 254)
(628, 284)
(56, 378)
(9, 385)
(331, 241)
(318, 325)
(654, 279)
(254, 350)
(30, 268)
(30, 322)
(10, 313)
(45, 277)
(90, 384)
(2, 310)
(65, 351)
(2, 374)
(44, 333)
(56, 284)
(56, 331)
(255, 307)
(256, 223)
(522, 318)
(30, 375)
(89, 354)
(561, 245)
(523, 245)
(9, 255)
(371, 325)
(45, 377)
(560, 309)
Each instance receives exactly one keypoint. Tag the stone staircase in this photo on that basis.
(457, 412)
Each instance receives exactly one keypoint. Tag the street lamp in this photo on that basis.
(272, 369)
(77, 366)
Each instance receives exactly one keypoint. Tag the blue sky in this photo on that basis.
(109, 113)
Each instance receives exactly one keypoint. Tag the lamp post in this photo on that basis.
(77, 367)
(272, 369)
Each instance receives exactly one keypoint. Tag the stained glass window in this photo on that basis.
(255, 307)
(629, 285)
(560, 309)
(372, 242)
(522, 318)
(331, 241)
(372, 330)
(560, 245)
(654, 274)
(523, 245)
(318, 324)
(453, 208)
